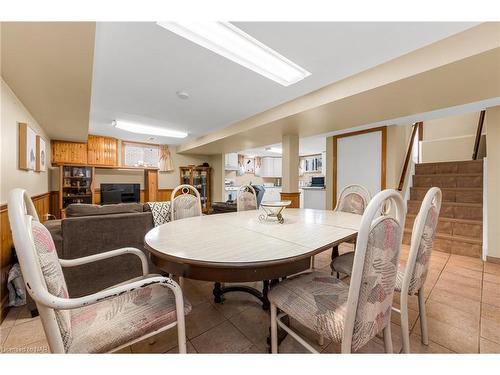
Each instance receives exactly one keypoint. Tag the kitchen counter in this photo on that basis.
(314, 197)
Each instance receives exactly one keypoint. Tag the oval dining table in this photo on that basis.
(238, 247)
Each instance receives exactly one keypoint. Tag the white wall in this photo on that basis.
(359, 161)
(450, 138)
(12, 112)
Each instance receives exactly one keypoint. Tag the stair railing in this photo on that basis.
(478, 135)
(408, 155)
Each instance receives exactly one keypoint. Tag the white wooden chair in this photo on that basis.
(352, 199)
(411, 277)
(186, 204)
(246, 199)
(348, 314)
(106, 321)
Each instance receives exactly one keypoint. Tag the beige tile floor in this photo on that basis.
(463, 306)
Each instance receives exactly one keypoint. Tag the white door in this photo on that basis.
(359, 161)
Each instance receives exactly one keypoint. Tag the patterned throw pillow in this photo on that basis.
(53, 275)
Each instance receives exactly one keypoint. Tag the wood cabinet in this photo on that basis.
(201, 179)
(76, 185)
(64, 152)
(102, 150)
(150, 185)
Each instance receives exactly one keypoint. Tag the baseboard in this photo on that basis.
(493, 260)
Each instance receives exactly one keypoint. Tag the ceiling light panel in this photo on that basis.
(147, 129)
(234, 44)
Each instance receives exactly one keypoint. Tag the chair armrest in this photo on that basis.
(58, 303)
(108, 254)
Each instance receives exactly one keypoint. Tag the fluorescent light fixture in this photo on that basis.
(276, 150)
(146, 129)
(234, 44)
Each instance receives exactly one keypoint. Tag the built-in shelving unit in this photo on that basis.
(76, 185)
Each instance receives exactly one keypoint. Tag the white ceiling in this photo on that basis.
(138, 67)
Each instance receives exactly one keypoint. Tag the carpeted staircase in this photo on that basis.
(460, 227)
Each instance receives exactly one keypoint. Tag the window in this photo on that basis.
(140, 154)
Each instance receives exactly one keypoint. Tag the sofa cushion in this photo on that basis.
(79, 209)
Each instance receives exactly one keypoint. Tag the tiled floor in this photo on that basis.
(463, 307)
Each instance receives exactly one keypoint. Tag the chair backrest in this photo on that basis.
(353, 199)
(422, 238)
(374, 271)
(40, 266)
(186, 204)
(246, 199)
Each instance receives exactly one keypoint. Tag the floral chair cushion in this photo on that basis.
(423, 256)
(106, 325)
(377, 282)
(246, 201)
(53, 275)
(184, 206)
(353, 203)
(317, 300)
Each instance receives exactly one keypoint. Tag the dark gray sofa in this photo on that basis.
(92, 229)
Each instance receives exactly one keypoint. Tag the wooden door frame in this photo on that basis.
(383, 170)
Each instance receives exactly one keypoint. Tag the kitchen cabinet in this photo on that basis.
(314, 198)
(231, 161)
(102, 150)
(271, 167)
(64, 152)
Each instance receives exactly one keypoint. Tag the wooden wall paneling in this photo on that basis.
(68, 152)
(150, 185)
(102, 150)
(293, 197)
(42, 206)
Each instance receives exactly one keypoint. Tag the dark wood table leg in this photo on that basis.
(217, 292)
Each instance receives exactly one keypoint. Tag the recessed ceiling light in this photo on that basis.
(234, 44)
(182, 94)
(147, 129)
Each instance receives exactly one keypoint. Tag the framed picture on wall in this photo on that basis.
(27, 147)
(41, 155)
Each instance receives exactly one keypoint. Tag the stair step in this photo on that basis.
(453, 227)
(459, 195)
(452, 210)
(452, 244)
(472, 180)
(453, 167)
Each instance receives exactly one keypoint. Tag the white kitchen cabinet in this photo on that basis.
(231, 161)
(314, 198)
(277, 167)
(271, 167)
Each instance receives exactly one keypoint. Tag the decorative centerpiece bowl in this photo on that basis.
(273, 210)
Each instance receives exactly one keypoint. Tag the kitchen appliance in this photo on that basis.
(318, 182)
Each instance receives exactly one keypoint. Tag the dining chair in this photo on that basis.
(352, 199)
(246, 199)
(186, 204)
(105, 321)
(411, 277)
(348, 314)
